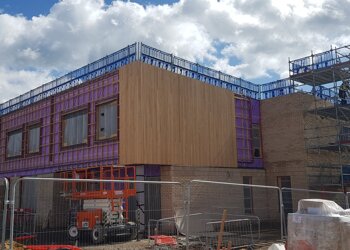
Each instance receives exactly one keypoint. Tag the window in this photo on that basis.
(346, 174)
(75, 127)
(345, 134)
(248, 195)
(256, 141)
(285, 182)
(106, 120)
(14, 143)
(34, 139)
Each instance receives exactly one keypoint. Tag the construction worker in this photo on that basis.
(343, 92)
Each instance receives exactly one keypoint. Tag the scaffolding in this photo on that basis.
(327, 121)
(134, 52)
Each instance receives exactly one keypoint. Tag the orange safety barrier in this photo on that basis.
(163, 240)
(52, 247)
(24, 237)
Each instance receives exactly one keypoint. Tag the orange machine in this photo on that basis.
(89, 219)
(103, 206)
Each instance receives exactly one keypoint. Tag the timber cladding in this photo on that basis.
(169, 119)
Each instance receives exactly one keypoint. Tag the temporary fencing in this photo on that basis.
(163, 227)
(85, 211)
(239, 232)
(254, 212)
(291, 196)
(91, 211)
(4, 192)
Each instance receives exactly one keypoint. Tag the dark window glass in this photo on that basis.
(75, 127)
(256, 141)
(106, 120)
(248, 195)
(14, 143)
(34, 139)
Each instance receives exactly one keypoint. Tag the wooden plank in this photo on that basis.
(229, 246)
(170, 119)
(222, 227)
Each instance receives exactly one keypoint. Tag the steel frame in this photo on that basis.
(135, 52)
(317, 67)
(320, 71)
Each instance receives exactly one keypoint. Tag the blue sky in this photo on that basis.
(27, 8)
(43, 39)
(30, 8)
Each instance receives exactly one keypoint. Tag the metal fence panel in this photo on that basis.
(291, 197)
(4, 192)
(252, 210)
(44, 210)
(85, 212)
(237, 231)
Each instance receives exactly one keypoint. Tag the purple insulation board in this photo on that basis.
(48, 115)
(152, 170)
(19, 121)
(247, 118)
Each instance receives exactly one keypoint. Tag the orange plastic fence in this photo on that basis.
(52, 247)
(163, 240)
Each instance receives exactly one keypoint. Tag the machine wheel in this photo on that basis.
(97, 234)
(73, 232)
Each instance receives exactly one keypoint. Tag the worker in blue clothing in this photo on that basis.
(343, 92)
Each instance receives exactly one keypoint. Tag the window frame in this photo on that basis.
(28, 128)
(281, 181)
(344, 134)
(101, 103)
(71, 112)
(251, 198)
(8, 134)
(256, 126)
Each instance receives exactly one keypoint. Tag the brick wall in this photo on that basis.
(213, 198)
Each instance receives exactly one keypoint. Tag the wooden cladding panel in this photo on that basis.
(169, 119)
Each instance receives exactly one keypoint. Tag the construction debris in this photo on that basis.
(318, 224)
(277, 246)
(16, 246)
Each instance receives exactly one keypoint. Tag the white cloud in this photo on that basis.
(298, 8)
(16, 82)
(261, 35)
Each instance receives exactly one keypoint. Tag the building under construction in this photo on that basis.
(326, 122)
(171, 119)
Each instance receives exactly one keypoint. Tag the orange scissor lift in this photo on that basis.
(102, 207)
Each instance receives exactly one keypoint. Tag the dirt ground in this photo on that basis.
(131, 245)
(145, 244)
(136, 245)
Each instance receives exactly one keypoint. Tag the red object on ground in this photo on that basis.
(52, 247)
(25, 237)
(164, 240)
